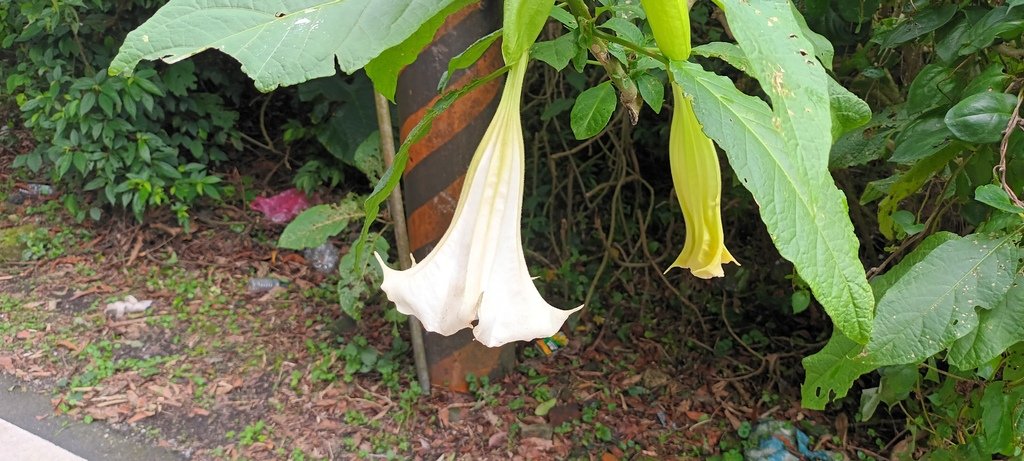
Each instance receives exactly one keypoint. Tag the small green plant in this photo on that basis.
(40, 244)
(482, 389)
(253, 433)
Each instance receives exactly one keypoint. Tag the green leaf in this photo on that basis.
(882, 283)
(593, 110)
(934, 86)
(921, 139)
(564, 17)
(384, 69)
(1001, 21)
(624, 29)
(652, 90)
(468, 57)
(805, 213)
(391, 177)
(992, 79)
(788, 73)
(949, 42)
(728, 52)
(863, 144)
(800, 301)
(982, 117)
(556, 53)
(367, 158)
(829, 374)
(782, 156)
(921, 23)
(847, 109)
(933, 305)
(822, 47)
(544, 407)
(995, 197)
(996, 419)
(998, 329)
(88, 101)
(909, 183)
(314, 226)
(278, 42)
(897, 382)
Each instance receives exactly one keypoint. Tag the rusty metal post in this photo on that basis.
(437, 167)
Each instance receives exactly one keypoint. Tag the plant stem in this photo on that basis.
(630, 45)
(397, 208)
(580, 9)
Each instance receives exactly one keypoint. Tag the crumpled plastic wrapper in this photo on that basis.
(283, 207)
(117, 309)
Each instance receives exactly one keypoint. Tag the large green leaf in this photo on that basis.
(830, 372)
(1000, 21)
(934, 86)
(805, 213)
(782, 60)
(934, 304)
(921, 139)
(384, 69)
(998, 328)
(848, 110)
(314, 226)
(882, 283)
(278, 42)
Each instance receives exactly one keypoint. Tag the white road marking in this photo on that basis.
(17, 444)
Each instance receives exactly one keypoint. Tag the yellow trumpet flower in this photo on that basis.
(477, 272)
(698, 185)
(695, 170)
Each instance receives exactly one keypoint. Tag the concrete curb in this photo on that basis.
(30, 431)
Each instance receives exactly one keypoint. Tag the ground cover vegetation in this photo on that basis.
(893, 297)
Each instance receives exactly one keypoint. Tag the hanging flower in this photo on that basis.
(698, 185)
(692, 156)
(477, 272)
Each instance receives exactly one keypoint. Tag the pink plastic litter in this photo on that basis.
(282, 207)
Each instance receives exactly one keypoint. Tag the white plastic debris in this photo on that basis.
(117, 309)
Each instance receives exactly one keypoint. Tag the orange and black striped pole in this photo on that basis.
(437, 166)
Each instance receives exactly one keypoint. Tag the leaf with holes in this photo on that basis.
(781, 155)
(935, 303)
(831, 371)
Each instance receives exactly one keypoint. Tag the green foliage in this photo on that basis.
(131, 142)
(946, 305)
(946, 338)
(336, 115)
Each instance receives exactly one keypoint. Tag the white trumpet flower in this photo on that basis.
(477, 272)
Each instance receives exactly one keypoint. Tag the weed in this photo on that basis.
(39, 244)
(482, 389)
(256, 432)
